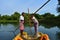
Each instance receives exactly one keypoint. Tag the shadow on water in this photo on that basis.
(58, 35)
(47, 25)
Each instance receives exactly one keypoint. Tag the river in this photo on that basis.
(8, 31)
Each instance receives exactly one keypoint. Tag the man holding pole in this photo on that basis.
(35, 21)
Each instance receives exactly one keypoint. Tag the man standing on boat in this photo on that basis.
(22, 23)
(35, 21)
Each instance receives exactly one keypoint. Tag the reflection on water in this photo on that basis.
(8, 31)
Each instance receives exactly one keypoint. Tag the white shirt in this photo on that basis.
(21, 17)
(34, 20)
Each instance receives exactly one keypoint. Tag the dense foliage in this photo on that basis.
(47, 18)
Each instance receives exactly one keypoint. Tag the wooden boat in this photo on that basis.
(30, 37)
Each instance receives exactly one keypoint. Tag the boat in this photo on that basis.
(41, 36)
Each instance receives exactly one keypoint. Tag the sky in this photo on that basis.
(8, 7)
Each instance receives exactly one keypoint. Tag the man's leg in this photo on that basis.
(21, 31)
(36, 28)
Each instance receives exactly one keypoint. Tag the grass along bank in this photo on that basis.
(8, 21)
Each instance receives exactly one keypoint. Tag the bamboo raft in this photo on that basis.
(29, 37)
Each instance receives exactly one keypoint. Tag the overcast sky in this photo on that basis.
(10, 6)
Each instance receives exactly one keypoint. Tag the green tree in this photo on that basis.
(4, 17)
(0, 16)
(15, 16)
(37, 16)
(48, 16)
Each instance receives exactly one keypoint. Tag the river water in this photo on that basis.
(9, 31)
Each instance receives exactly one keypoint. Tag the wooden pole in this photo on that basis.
(29, 21)
(29, 17)
(41, 7)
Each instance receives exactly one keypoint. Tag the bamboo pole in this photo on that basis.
(41, 6)
(29, 21)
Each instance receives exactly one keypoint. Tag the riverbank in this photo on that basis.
(8, 21)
